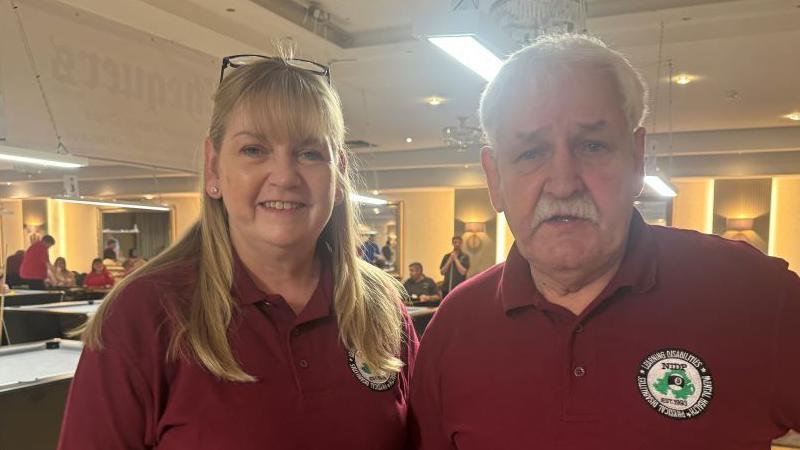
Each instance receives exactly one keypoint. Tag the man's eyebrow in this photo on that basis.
(595, 126)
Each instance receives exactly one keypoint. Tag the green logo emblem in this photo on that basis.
(675, 383)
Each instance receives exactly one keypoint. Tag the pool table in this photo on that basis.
(22, 297)
(420, 315)
(34, 381)
(53, 320)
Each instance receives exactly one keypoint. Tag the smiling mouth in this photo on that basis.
(563, 219)
(281, 206)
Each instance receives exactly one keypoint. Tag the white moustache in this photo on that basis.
(579, 207)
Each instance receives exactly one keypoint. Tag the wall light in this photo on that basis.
(37, 157)
(738, 224)
(475, 227)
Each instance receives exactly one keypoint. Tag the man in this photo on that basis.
(370, 250)
(600, 331)
(454, 266)
(419, 287)
(36, 263)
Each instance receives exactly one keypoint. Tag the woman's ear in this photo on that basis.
(210, 170)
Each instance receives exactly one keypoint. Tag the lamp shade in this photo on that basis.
(739, 224)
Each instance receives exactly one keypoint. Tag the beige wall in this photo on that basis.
(12, 229)
(473, 205)
(693, 208)
(76, 229)
(185, 210)
(785, 232)
(427, 227)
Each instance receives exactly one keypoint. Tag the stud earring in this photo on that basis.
(214, 190)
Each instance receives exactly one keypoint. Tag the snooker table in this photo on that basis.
(22, 297)
(420, 315)
(34, 381)
(41, 322)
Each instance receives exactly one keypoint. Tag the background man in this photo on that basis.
(420, 287)
(454, 266)
(36, 263)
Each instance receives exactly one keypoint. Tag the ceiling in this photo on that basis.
(744, 53)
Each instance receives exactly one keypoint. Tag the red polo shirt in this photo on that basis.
(307, 396)
(695, 344)
(34, 263)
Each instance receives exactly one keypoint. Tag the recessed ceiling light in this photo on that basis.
(793, 116)
(149, 197)
(435, 100)
(8, 183)
(683, 79)
(409, 140)
(376, 192)
(376, 211)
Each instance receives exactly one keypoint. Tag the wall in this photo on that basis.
(427, 227)
(185, 210)
(12, 229)
(785, 233)
(693, 208)
(473, 205)
(505, 238)
(744, 199)
(76, 229)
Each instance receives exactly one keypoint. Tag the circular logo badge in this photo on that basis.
(365, 375)
(676, 383)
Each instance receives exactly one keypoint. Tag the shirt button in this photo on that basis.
(579, 371)
(579, 328)
(296, 332)
(303, 363)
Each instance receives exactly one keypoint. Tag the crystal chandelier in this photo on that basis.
(524, 20)
(462, 137)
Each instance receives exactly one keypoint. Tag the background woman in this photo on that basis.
(98, 276)
(60, 276)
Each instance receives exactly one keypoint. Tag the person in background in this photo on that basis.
(60, 276)
(113, 265)
(419, 287)
(454, 266)
(113, 245)
(370, 250)
(98, 276)
(387, 252)
(601, 331)
(133, 262)
(259, 328)
(36, 263)
(13, 264)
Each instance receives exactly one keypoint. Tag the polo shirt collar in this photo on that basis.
(245, 291)
(638, 270)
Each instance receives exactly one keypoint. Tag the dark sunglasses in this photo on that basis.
(235, 61)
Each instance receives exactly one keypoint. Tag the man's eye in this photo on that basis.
(252, 150)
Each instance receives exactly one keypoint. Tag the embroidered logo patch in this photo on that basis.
(365, 375)
(676, 383)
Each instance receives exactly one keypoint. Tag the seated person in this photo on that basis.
(133, 262)
(112, 264)
(13, 264)
(99, 276)
(420, 287)
(60, 276)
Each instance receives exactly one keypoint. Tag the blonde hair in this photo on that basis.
(536, 62)
(367, 302)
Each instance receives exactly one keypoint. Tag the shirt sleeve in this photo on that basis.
(425, 427)
(113, 397)
(444, 261)
(465, 261)
(786, 358)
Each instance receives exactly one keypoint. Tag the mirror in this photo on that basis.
(148, 232)
(381, 236)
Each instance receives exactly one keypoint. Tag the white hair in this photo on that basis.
(540, 61)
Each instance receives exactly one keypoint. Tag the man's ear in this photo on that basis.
(211, 169)
(638, 159)
(489, 164)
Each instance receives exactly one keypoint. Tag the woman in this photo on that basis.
(60, 276)
(98, 276)
(260, 328)
(133, 261)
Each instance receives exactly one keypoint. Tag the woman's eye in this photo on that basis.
(311, 154)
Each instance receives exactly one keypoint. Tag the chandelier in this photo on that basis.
(462, 137)
(524, 20)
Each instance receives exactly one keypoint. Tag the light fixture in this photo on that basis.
(111, 203)
(462, 137)
(435, 100)
(38, 157)
(376, 192)
(660, 186)
(149, 197)
(470, 52)
(363, 199)
(376, 211)
(738, 224)
(793, 116)
(475, 227)
(409, 140)
(683, 79)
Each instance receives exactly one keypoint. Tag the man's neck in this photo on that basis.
(574, 291)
